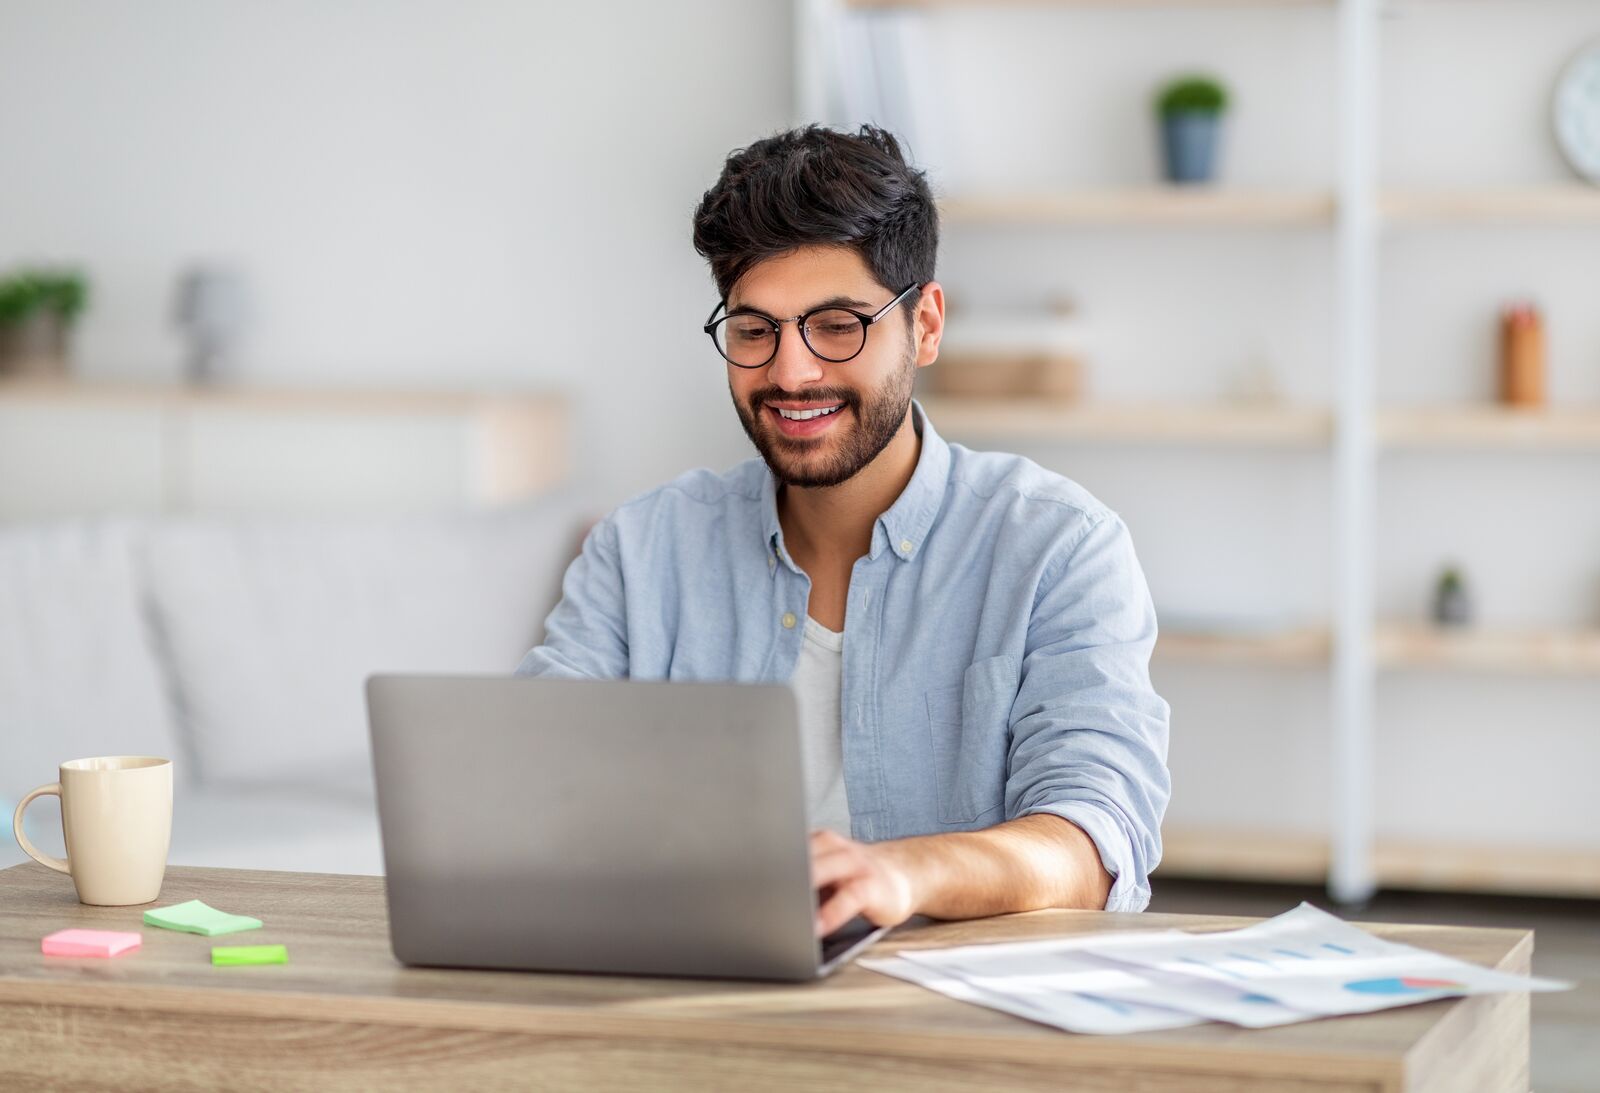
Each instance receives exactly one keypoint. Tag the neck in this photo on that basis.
(834, 523)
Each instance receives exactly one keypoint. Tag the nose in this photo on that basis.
(795, 366)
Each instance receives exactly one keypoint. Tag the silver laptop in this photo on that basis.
(598, 826)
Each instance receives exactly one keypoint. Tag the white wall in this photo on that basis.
(445, 194)
(438, 193)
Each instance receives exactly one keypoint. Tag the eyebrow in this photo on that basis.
(831, 301)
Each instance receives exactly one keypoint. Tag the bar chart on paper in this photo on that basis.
(1301, 965)
(1309, 960)
(1402, 984)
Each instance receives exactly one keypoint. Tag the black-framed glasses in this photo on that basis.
(749, 339)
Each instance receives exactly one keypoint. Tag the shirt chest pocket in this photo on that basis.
(970, 727)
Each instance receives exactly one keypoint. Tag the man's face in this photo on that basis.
(868, 396)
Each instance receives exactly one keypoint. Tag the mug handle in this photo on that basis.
(32, 851)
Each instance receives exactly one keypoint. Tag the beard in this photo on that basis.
(812, 463)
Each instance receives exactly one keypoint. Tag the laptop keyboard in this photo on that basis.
(844, 937)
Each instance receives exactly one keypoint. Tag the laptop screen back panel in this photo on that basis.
(595, 826)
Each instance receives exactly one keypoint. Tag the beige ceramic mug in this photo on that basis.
(116, 814)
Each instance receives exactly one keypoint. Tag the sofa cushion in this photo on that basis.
(79, 675)
(297, 828)
(272, 627)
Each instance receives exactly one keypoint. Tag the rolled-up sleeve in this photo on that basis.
(586, 634)
(1088, 731)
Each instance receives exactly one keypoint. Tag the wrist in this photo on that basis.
(908, 860)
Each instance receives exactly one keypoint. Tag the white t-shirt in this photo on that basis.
(816, 685)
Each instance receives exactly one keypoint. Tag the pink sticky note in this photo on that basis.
(90, 943)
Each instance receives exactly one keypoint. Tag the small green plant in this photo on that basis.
(1452, 600)
(28, 292)
(1192, 94)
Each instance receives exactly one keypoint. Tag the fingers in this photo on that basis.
(839, 873)
(851, 880)
(834, 858)
(834, 866)
(845, 904)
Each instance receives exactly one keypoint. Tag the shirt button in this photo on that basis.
(905, 545)
(788, 620)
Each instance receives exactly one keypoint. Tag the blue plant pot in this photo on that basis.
(1189, 140)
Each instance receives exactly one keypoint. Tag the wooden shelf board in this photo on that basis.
(1150, 205)
(1168, 204)
(1552, 203)
(1531, 651)
(518, 441)
(264, 399)
(1092, 3)
(1241, 854)
(1302, 646)
(1221, 423)
(1438, 866)
(1490, 426)
(1400, 646)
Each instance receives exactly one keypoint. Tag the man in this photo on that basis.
(968, 635)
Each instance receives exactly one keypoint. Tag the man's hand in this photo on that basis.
(859, 878)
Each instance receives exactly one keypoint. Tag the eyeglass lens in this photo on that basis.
(751, 340)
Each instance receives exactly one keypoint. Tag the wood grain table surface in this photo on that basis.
(344, 1014)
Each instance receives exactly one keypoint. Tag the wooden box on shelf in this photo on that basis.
(1008, 373)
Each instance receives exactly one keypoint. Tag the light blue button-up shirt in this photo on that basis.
(996, 651)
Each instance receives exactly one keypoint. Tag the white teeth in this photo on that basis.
(807, 415)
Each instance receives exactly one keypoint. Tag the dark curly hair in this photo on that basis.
(819, 186)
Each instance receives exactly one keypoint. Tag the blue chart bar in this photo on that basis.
(1208, 964)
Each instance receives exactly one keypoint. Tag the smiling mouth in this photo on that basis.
(803, 423)
(807, 415)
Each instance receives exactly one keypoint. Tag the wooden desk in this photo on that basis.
(344, 1014)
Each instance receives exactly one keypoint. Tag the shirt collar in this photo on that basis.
(905, 524)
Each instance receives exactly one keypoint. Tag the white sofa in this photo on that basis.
(239, 647)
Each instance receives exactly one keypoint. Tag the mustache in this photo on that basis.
(851, 399)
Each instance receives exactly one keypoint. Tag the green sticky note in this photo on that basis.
(195, 917)
(231, 955)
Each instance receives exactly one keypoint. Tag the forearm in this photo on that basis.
(1026, 864)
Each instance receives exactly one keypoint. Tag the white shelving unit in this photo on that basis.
(1354, 646)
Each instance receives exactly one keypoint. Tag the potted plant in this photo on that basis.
(1452, 602)
(1191, 108)
(36, 309)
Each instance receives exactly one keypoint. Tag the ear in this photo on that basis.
(929, 325)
